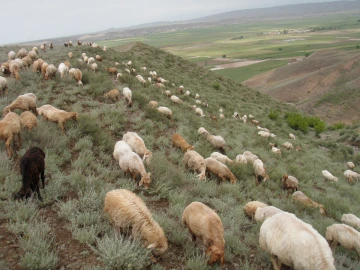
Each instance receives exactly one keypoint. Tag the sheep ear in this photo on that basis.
(153, 245)
(141, 182)
(149, 174)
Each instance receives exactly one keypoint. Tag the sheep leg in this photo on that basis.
(43, 179)
(9, 149)
(19, 142)
(275, 262)
(61, 125)
(38, 193)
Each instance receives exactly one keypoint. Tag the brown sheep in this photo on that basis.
(67, 64)
(290, 182)
(77, 74)
(70, 55)
(180, 142)
(37, 65)
(28, 120)
(43, 68)
(10, 128)
(98, 58)
(24, 102)
(5, 69)
(300, 197)
(114, 95)
(112, 70)
(50, 72)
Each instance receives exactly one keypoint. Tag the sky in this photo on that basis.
(46, 19)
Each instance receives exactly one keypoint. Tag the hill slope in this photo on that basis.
(69, 229)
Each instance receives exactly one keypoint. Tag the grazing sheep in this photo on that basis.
(51, 46)
(3, 86)
(351, 220)
(216, 141)
(263, 129)
(66, 44)
(143, 69)
(221, 116)
(205, 224)
(5, 69)
(14, 69)
(199, 112)
(79, 43)
(121, 148)
(197, 101)
(19, 62)
(328, 176)
(11, 55)
(28, 120)
(98, 58)
(35, 49)
(43, 68)
(222, 158)
(114, 95)
(251, 207)
(176, 100)
(63, 70)
(50, 71)
(43, 47)
(112, 70)
(70, 43)
(117, 76)
(149, 79)
(264, 134)
(70, 55)
(263, 213)
(276, 150)
(32, 55)
(241, 159)
(91, 60)
(127, 93)
(187, 93)
(93, 66)
(57, 116)
(24, 102)
(307, 250)
(137, 145)
(27, 61)
(344, 235)
(288, 145)
(76, 74)
(127, 70)
(159, 85)
(350, 175)
(32, 164)
(290, 182)
(260, 174)
(85, 58)
(166, 111)
(250, 157)
(219, 169)
(21, 53)
(10, 127)
(255, 122)
(196, 162)
(300, 197)
(37, 65)
(292, 136)
(127, 210)
(298, 148)
(180, 142)
(167, 93)
(141, 79)
(153, 104)
(350, 165)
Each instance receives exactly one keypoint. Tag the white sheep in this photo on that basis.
(127, 93)
(63, 70)
(127, 70)
(276, 150)
(167, 93)
(128, 210)
(263, 129)
(328, 176)
(11, 55)
(143, 69)
(344, 235)
(251, 207)
(137, 145)
(350, 165)
(351, 220)
(244, 118)
(196, 162)
(93, 66)
(187, 93)
(307, 250)
(199, 112)
(197, 101)
(292, 136)
(197, 96)
(221, 110)
(176, 100)
(219, 169)
(222, 158)
(264, 134)
(221, 116)
(166, 111)
(290, 182)
(288, 145)
(216, 141)
(241, 159)
(260, 174)
(350, 175)
(153, 104)
(90, 60)
(141, 79)
(149, 79)
(121, 148)
(263, 213)
(3, 86)
(35, 49)
(250, 157)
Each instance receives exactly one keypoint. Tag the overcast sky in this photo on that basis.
(26, 20)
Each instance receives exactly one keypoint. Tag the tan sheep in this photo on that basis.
(196, 162)
(70, 55)
(98, 58)
(180, 142)
(300, 197)
(222, 158)
(128, 210)
(28, 120)
(350, 165)
(37, 65)
(14, 69)
(55, 115)
(350, 175)
(50, 72)
(3, 86)
(205, 224)
(43, 68)
(10, 127)
(153, 104)
(250, 207)
(290, 182)
(288, 145)
(114, 95)
(344, 235)
(260, 174)
(24, 102)
(219, 169)
(250, 157)
(137, 144)
(112, 70)
(351, 220)
(166, 111)
(263, 213)
(21, 53)
(159, 85)
(76, 74)
(27, 61)
(32, 55)
(241, 159)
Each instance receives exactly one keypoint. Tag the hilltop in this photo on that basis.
(69, 229)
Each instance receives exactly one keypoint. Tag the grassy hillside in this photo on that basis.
(69, 229)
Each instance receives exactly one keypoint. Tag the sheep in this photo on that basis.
(85, 58)
(349, 174)
(57, 116)
(350, 165)
(67, 64)
(127, 70)
(93, 66)
(288, 145)
(37, 65)
(79, 43)
(251, 116)
(127, 93)
(19, 62)
(300, 197)
(141, 79)
(176, 100)
(153, 104)
(181, 89)
(121, 149)
(221, 116)
(24, 102)
(203, 223)
(165, 110)
(5, 69)
(260, 174)
(126, 210)
(132, 163)
(51, 46)
(94, 45)
(32, 55)
(213, 117)
(196, 162)
(222, 158)
(66, 44)
(35, 49)
(149, 79)
(98, 58)
(104, 48)
(290, 182)
(27, 61)
(63, 70)
(117, 76)
(50, 71)
(263, 129)
(43, 47)
(199, 112)
(3, 86)
(137, 145)
(251, 207)
(307, 249)
(21, 53)
(159, 85)
(216, 141)
(351, 220)
(167, 93)
(298, 148)
(187, 93)
(77, 74)
(129, 63)
(180, 142)
(28, 120)
(133, 71)
(328, 176)
(143, 69)
(221, 110)
(276, 150)
(11, 55)
(241, 159)
(197, 96)
(292, 136)
(197, 101)
(70, 55)
(43, 68)
(32, 164)
(250, 157)
(219, 169)
(263, 213)
(112, 70)
(344, 235)
(193, 107)
(244, 119)
(14, 68)
(10, 127)
(264, 134)
(113, 94)
(255, 122)
(70, 43)
(91, 60)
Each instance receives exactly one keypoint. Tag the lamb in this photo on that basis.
(263, 213)
(70, 55)
(300, 197)
(349, 174)
(159, 85)
(77, 74)
(219, 169)
(57, 116)
(143, 69)
(288, 145)
(292, 136)
(3, 86)
(351, 220)
(166, 111)
(10, 127)
(350, 165)
(180, 142)
(137, 145)
(121, 149)
(24, 102)
(260, 174)
(255, 122)
(128, 95)
(290, 182)
(153, 104)
(32, 164)
(127, 70)
(196, 162)
(112, 70)
(93, 66)
(132, 163)
(328, 176)
(37, 65)
(11, 55)
(264, 134)
(113, 94)
(176, 100)
(307, 250)
(344, 235)
(98, 58)
(199, 112)
(241, 159)
(222, 158)
(50, 71)
(204, 223)
(63, 70)
(43, 47)
(21, 53)
(187, 93)
(28, 120)
(250, 157)
(251, 207)
(43, 68)
(127, 210)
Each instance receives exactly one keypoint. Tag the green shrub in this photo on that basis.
(337, 126)
(273, 115)
(297, 121)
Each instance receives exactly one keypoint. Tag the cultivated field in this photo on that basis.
(69, 229)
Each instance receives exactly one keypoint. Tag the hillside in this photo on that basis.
(69, 230)
(324, 84)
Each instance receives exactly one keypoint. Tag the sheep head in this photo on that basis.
(6, 110)
(216, 254)
(159, 247)
(145, 180)
(74, 116)
(201, 176)
(147, 156)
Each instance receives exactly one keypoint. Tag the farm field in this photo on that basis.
(69, 229)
